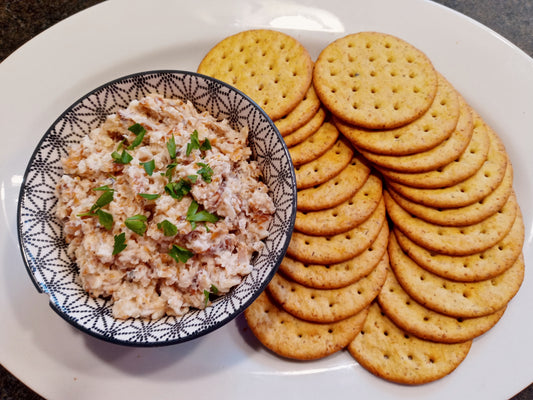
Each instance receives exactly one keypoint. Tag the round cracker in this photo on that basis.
(315, 145)
(426, 324)
(466, 165)
(392, 354)
(302, 133)
(456, 299)
(476, 267)
(444, 153)
(328, 305)
(466, 192)
(346, 215)
(374, 80)
(300, 115)
(271, 67)
(336, 190)
(337, 248)
(334, 276)
(452, 240)
(461, 216)
(325, 167)
(294, 338)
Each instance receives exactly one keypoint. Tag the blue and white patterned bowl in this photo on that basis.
(44, 249)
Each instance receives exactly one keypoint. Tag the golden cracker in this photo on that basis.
(422, 134)
(315, 145)
(346, 215)
(328, 305)
(452, 240)
(456, 299)
(300, 115)
(336, 190)
(337, 248)
(374, 80)
(334, 276)
(392, 354)
(325, 167)
(294, 338)
(301, 134)
(273, 68)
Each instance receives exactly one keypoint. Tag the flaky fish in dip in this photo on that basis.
(162, 207)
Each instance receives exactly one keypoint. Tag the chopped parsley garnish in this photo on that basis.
(171, 147)
(180, 254)
(168, 228)
(104, 218)
(195, 144)
(170, 169)
(137, 224)
(149, 167)
(205, 172)
(121, 157)
(212, 291)
(177, 190)
(149, 196)
(120, 243)
(139, 132)
(194, 216)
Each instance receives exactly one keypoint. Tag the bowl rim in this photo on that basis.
(229, 317)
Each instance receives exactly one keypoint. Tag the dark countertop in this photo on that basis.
(22, 20)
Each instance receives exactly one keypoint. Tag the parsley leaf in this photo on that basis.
(170, 168)
(213, 290)
(169, 229)
(177, 190)
(180, 254)
(194, 143)
(149, 196)
(193, 215)
(205, 172)
(121, 158)
(137, 224)
(206, 145)
(149, 167)
(171, 147)
(120, 243)
(104, 199)
(105, 219)
(139, 132)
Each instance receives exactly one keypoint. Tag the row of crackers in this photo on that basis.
(408, 236)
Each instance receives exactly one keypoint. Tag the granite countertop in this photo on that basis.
(22, 20)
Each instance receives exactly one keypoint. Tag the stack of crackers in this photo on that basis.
(408, 236)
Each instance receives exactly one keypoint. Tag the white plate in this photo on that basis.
(123, 36)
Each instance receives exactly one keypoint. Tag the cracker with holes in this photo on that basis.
(315, 145)
(444, 153)
(300, 115)
(273, 68)
(475, 267)
(454, 240)
(426, 324)
(337, 248)
(453, 298)
(302, 133)
(466, 192)
(324, 167)
(466, 165)
(461, 216)
(346, 215)
(374, 80)
(391, 353)
(328, 305)
(336, 190)
(422, 134)
(294, 338)
(334, 276)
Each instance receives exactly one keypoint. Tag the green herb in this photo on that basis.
(168, 228)
(120, 243)
(171, 147)
(104, 199)
(180, 254)
(213, 291)
(178, 190)
(121, 158)
(170, 169)
(139, 132)
(149, 167)
(137, 224)
(192, 178)
(206, 145)
(104, 188)
(205, 172)
(105, 219)
(149, 196)
(194, 143)
(194, 216)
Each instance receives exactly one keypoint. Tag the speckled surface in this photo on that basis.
(22, 20)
